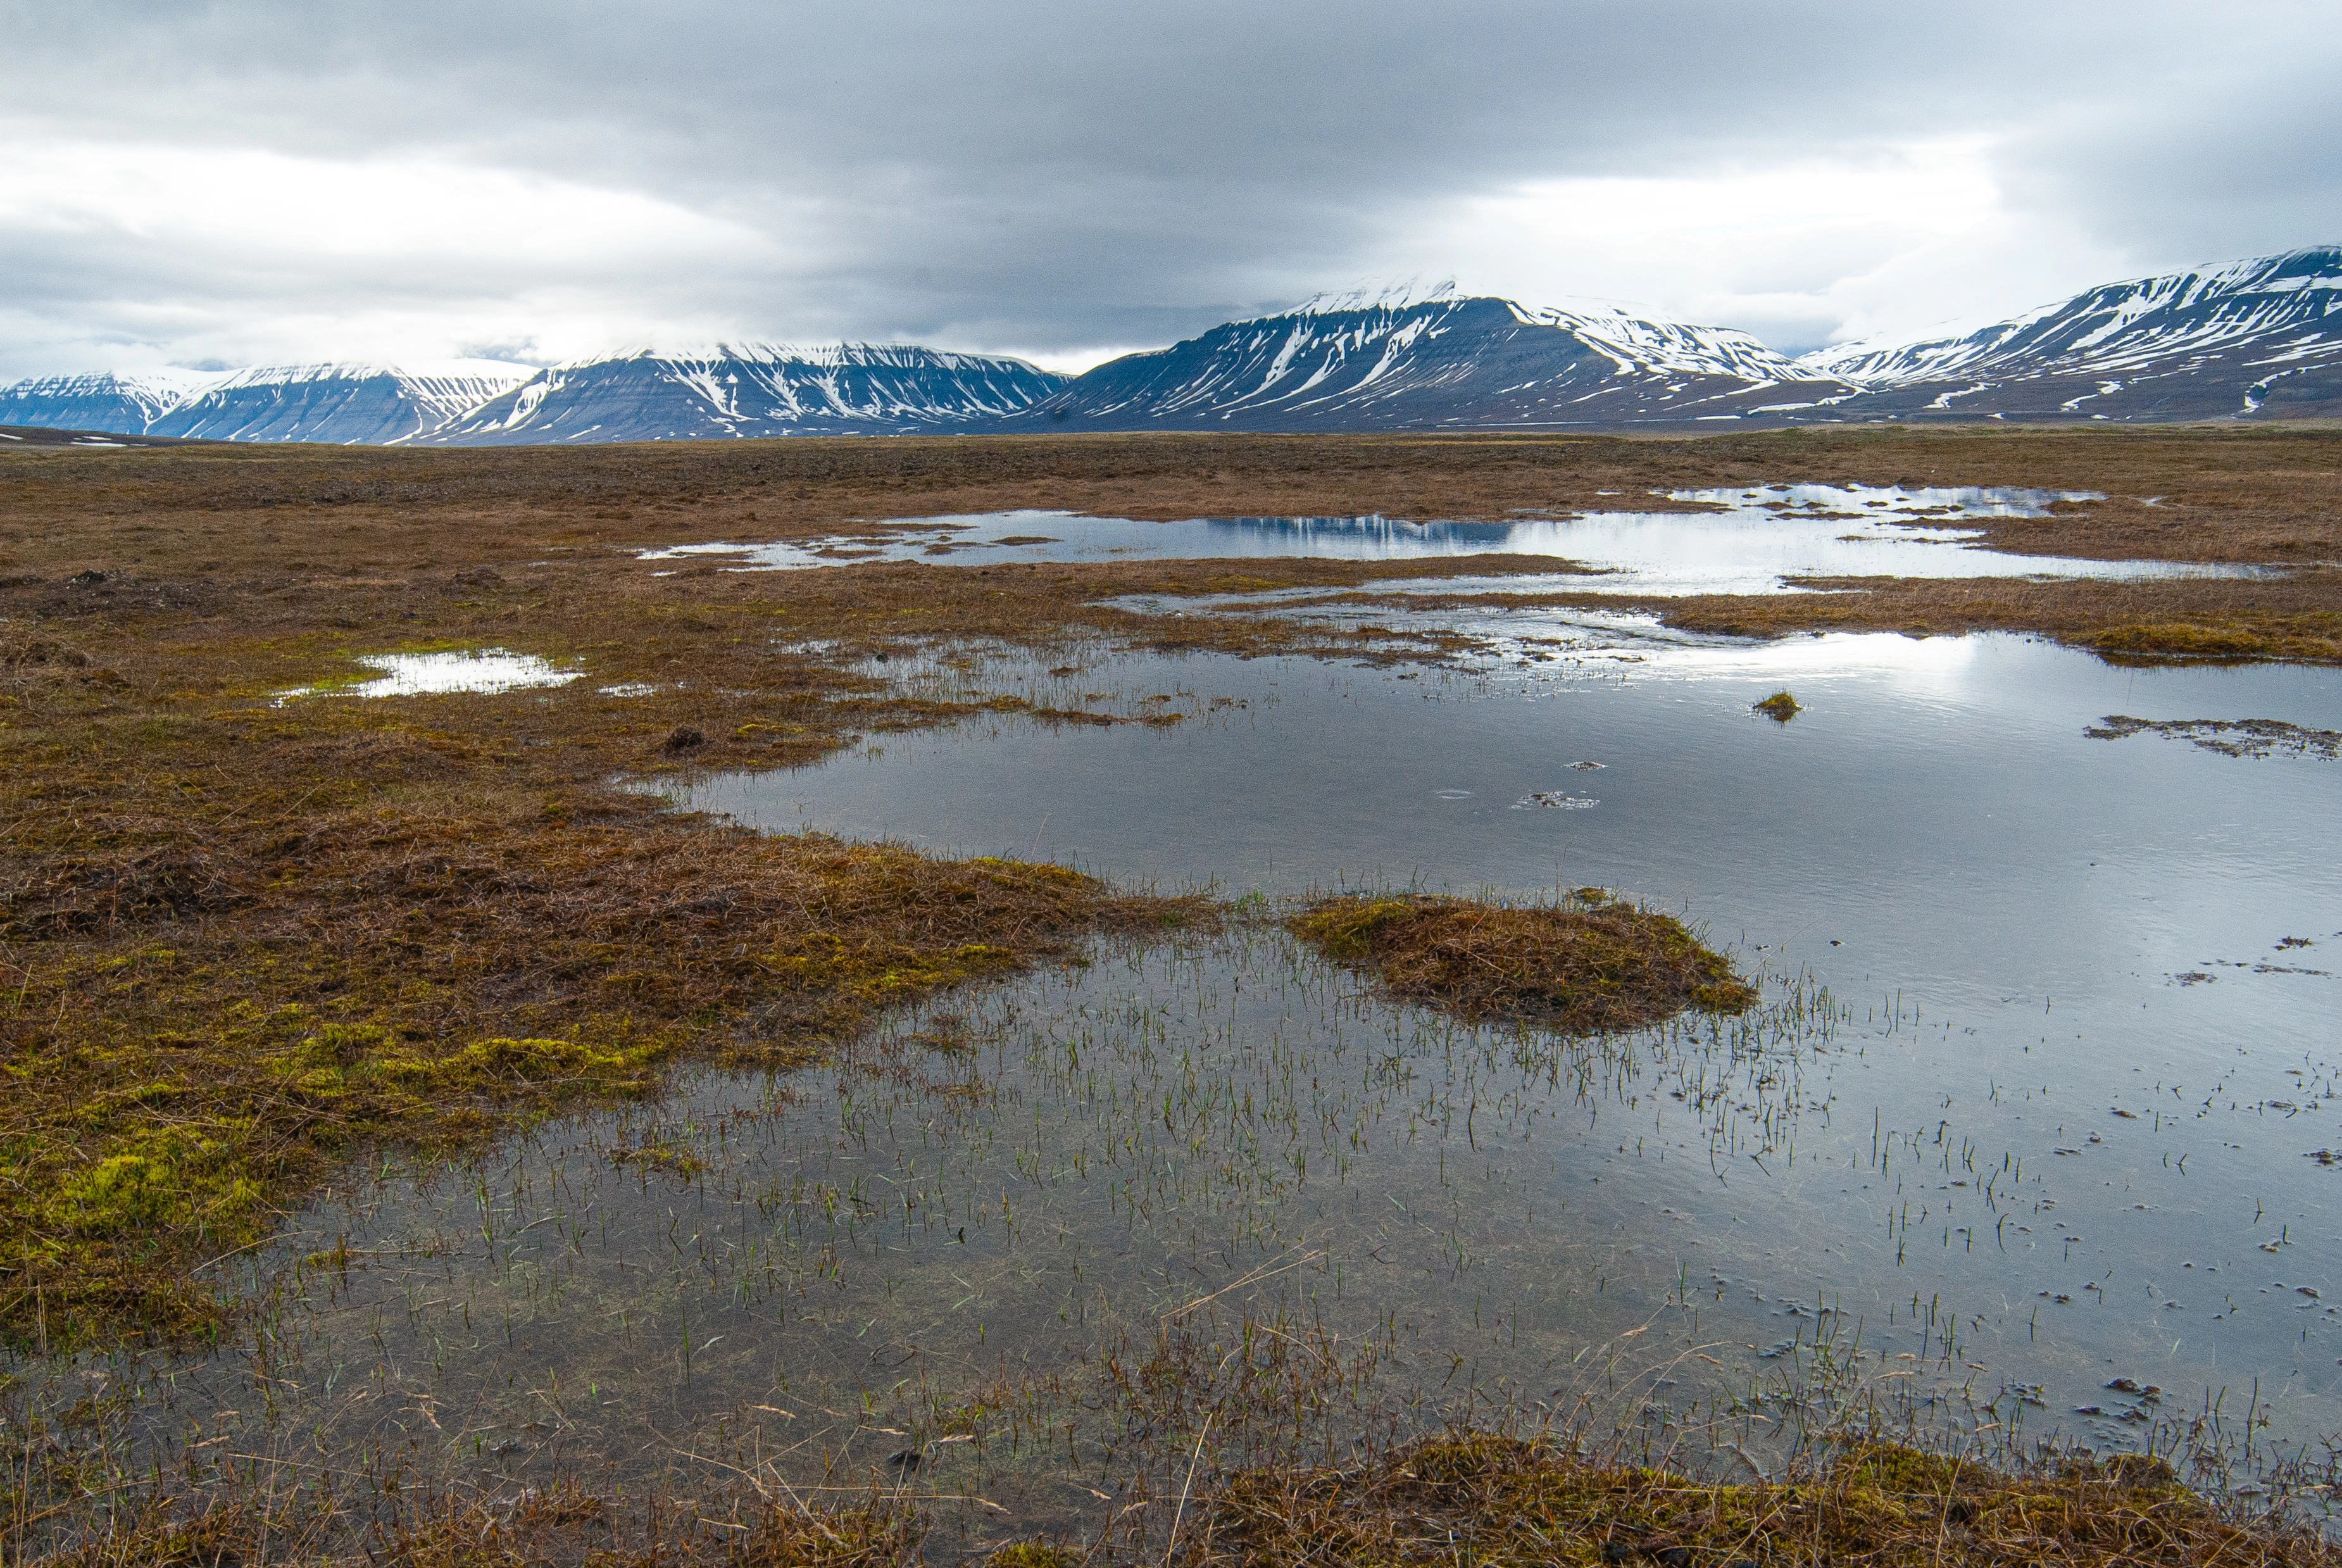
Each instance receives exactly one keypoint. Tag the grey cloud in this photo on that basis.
(2236, 159)
(1054, 175)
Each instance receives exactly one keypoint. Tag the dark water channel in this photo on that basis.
(2032, 1105)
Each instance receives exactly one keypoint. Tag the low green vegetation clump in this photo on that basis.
(1780, 707)
(2304, 638)
(1591, 962)
(1033, 1555)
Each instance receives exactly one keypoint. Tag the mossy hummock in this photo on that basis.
(1594, 962)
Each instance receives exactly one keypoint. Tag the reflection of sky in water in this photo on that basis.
(1768, 534)
(426, 675)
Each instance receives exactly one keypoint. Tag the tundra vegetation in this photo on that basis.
(1589, 963)
(245, 935)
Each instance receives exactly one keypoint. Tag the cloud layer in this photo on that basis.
(255, 180)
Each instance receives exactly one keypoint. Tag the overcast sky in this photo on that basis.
(256, 181)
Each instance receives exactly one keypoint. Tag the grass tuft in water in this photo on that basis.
(1033, 1555)
(1780, 707)
(1592, 963)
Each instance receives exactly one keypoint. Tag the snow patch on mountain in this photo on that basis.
(1412, 359)
(118, 403)
(2295, 299)
(2255, 339)
(1401, 296)
(1654, 343)
(753, 389)
(2259, 338)
(343, 402)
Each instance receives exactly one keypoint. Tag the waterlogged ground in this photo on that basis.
(2077, 1087)
(1031, 1239)
(1748, 544)
(2039, 1101)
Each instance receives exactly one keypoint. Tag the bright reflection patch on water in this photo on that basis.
(426, 674)
(1761, 538)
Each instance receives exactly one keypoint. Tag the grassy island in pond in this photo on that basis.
(1590, 964)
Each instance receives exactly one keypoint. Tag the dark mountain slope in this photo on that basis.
(1444, 363)
(366, 404)
(755, 389)
(2255, 339)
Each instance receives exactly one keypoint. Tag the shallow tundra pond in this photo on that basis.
(1743, 542)
(2031, 1133)
(2094, 977)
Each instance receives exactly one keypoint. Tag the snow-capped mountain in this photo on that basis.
(349, 404)
(121, 403)
(2256, 338)
(1443, 362)
(754, 389)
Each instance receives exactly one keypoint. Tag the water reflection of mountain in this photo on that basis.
(1373, 529)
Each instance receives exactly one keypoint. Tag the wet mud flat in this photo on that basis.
(280, 935)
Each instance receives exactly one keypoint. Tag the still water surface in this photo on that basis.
(1751, 541)
(2105, 963)
(2031, 1105)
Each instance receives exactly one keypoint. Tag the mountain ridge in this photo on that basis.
(106, 400)
(1448, 362)
(2214, 341)
(2254, 339)
(354, 402)
(752, 389)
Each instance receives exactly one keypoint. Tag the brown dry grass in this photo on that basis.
(562, 1525)
(1469, 1502)
(239, 940)
(2295, 618)
(213, 530)
(1459, 1500)
(1592, 964)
